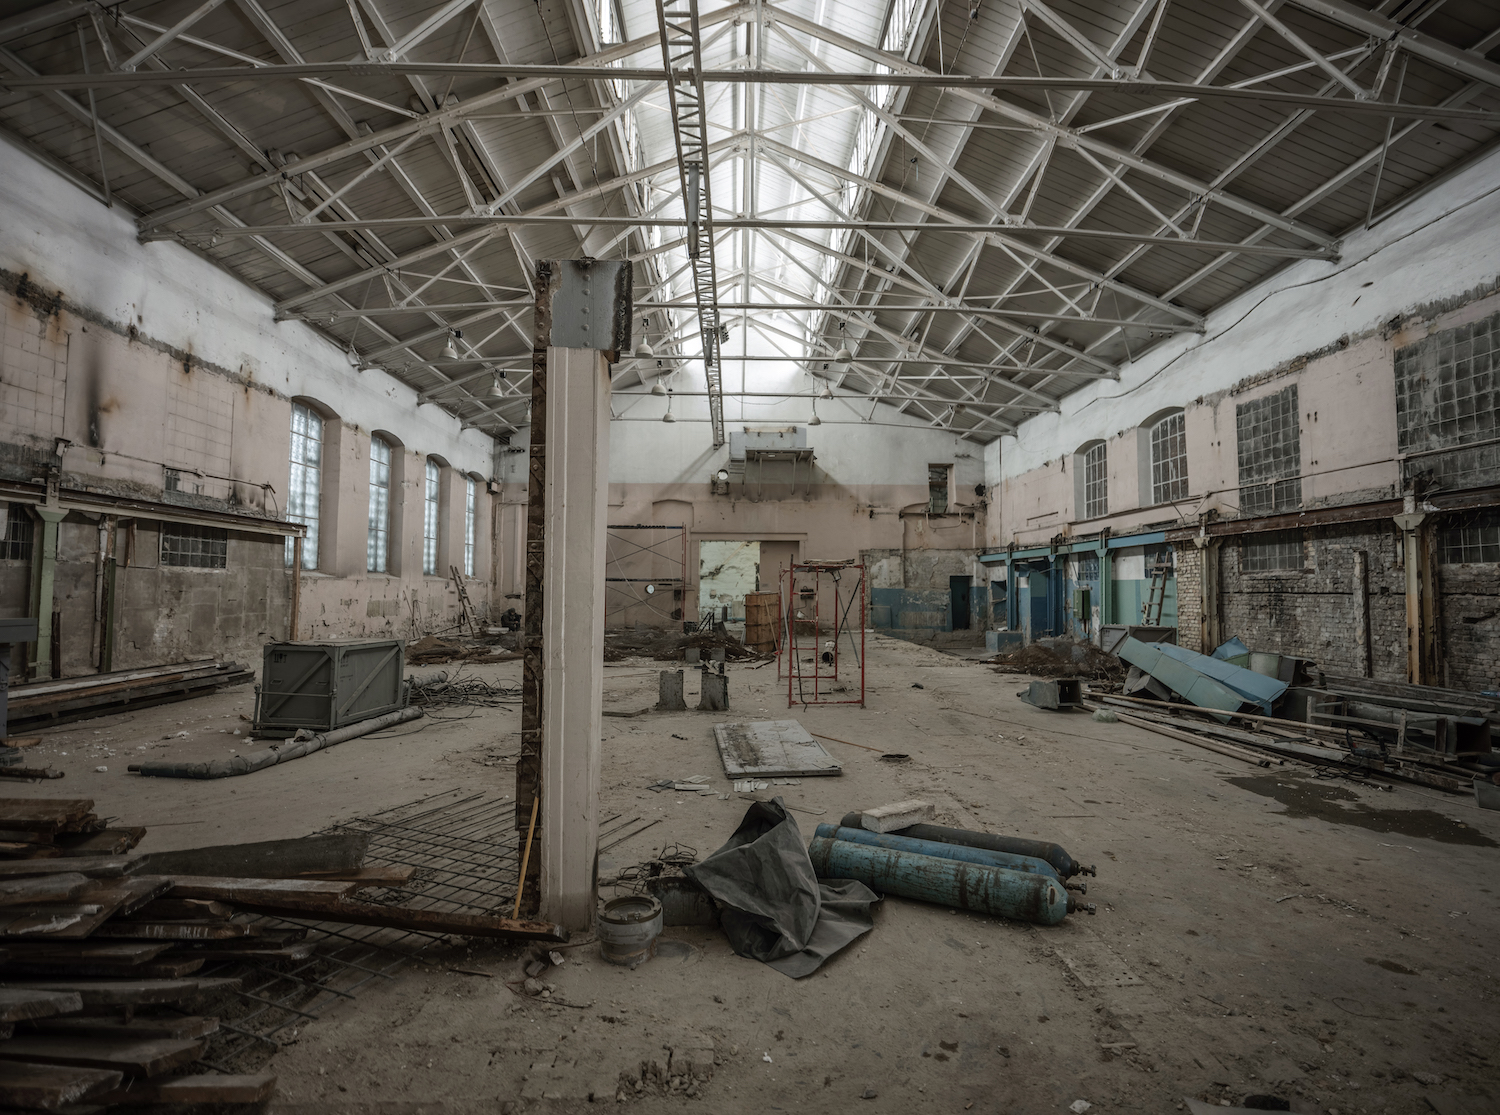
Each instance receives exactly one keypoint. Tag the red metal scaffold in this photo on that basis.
(821, 605)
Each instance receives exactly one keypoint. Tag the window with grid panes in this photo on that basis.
(1448, 405)
(1169, 479)
(19, 531)
(1471, 542)
(305, 484)
(431, 495)
(194, 547)
(1096, 481)
(471, 507)
(1269, 448)
(1278, 551)
(937, 489)
(377, 539)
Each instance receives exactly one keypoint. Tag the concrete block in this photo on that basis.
(897, 816)
(669, 692)
(714, 694)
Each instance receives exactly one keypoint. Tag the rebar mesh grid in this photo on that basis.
(464, 847)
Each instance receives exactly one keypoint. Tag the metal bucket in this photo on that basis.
(628, 928)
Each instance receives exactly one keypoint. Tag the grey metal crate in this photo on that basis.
(322, 686)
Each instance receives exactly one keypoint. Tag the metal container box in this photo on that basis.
(322, 686)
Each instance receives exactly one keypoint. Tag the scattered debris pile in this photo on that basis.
(442, 689)
(1060, 658)
(104, 954)
(1267, 709)
(431, 651)
(671, 646)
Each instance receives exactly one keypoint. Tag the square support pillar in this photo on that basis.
(576, 497)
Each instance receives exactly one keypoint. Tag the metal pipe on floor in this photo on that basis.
(966, 886)
(301, 744)
(1043, 850)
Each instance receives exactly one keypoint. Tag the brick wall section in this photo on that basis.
(1312, 613)
(1188, 559)
(1469, 626)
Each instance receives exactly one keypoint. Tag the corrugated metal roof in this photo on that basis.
(1038, 308)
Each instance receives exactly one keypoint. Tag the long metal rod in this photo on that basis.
(510, 71)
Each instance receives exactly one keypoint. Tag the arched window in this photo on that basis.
(1092, 483)
(471, 507)
(1169, 476)
(377, 540)
(431, 519)
(305, 485)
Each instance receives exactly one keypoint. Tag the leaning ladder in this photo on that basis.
(466, 605)
(1156, 596)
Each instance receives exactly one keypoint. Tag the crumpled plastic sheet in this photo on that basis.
(773, 908)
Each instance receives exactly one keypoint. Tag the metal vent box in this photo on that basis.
(322, 686)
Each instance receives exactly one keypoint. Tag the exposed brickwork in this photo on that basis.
(1469, 626)
(1312, 612)
(1189, 562)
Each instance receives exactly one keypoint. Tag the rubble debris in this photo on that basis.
(897, 815)
(430, 650)
(1059, 658)
(672, 646)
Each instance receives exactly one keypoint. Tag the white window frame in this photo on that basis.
(1094, 462)
(431, 516)
(305, 482)
(1169, 464)
(471, 507)
(378, 536)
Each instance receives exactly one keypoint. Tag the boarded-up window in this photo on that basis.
(937, 489)
(1270, 453)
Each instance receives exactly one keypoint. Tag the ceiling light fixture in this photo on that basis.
(450, 350)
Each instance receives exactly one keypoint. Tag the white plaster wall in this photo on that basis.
(66, 240)
(1439, 247)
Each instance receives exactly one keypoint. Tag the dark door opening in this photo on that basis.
(959, 591)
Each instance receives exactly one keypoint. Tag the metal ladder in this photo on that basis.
(1156, 596)
(467, 615)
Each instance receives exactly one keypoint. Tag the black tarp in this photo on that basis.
(773, 907)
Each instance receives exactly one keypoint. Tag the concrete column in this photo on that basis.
(1414, 559)
(576, 498)
(1361, 604)
(44, 571)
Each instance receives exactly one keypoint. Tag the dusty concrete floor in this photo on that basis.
(1257, 932)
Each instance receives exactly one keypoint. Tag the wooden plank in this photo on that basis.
(167, 1026)
(44, 814)
(120, 993)
(116, 898)
(105, 842)
(41, 888)
(169, 968)
(27, 921)
(19, 1004)
(95, 867)
(367, 876)
(63, 685)
(240, 891)
(772, 749)
(268, 859)
(113, 952)
(134, 1056)
(326, 908)
(50, 1087)
(184, 909)
(173, 930)
(206, 1088)
(251, 950)
(265, 939)
(21, 836)
(12, 849)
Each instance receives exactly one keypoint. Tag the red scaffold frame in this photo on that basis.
(818, 583)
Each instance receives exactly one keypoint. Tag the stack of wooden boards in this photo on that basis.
(92, 945)
(39, 704)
